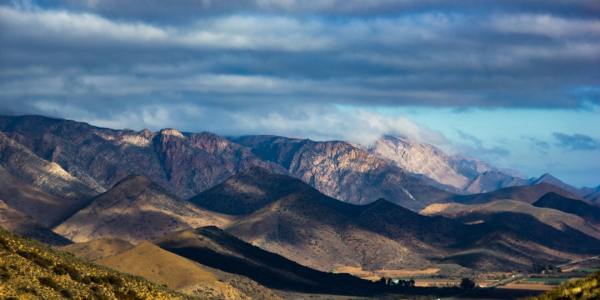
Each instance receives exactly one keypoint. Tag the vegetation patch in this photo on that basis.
(29, 269)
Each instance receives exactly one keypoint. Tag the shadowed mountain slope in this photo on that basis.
(570, 205)
(21, 224)
(135, 209)
(557, 219)
(37, 187)
(327, 234)
(247, 192)
(179, 273)
(215, 248)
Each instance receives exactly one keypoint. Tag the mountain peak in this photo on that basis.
(171, 132)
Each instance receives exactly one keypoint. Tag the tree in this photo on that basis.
(467, 283)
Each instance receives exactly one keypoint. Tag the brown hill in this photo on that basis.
(557, 219)
(21, 224)
(213, 247)
(327, 234)
(178, 273)
(247, 192)
(135, 209)
(36, 187)
(99, 248)
(577, 207)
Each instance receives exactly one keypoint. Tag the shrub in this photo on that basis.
(49, 282)
(66, 293)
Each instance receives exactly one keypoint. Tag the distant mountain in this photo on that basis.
(215, 248)
(184, 163)
(247, 192)
(593, 196)
(464, 175)
(24, 225)
(420, 158)
(569, 205)
(188, 163)
(528, 194)
(493, 180)
(549, 179)
(344, 171)
(37, 187)
(135, 209)
(474, 213)
(327, 234)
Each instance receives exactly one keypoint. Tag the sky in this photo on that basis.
(515, 83)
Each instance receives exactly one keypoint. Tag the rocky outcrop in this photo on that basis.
(420, 158)
(455, 173)
(185, 164)
(343, 171)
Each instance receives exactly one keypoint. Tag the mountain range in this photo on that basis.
(265, 213)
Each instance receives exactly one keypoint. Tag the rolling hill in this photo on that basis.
(577, 207)
(98, 248)
(135, 209)
(469, 213)
(215, 248)
(29, 270)
(326, 234)
(178, 273)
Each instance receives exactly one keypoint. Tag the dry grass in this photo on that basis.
(29, 270)
(377, 274)
(583, 289)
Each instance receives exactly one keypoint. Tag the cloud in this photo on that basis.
(430, 58)
(576, 141)
(540, 145)
(351, 124)
(476, 147)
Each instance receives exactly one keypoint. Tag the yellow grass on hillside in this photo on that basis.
(176, 272)
(97, 249)
(29, 270)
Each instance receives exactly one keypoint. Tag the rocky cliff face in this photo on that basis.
(420, 158)
(185, 164)
(459, 174)
(341, 170)
(37, 187)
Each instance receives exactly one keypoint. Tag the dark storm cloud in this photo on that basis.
(105, 59)
(576, 141)
(157, 10)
